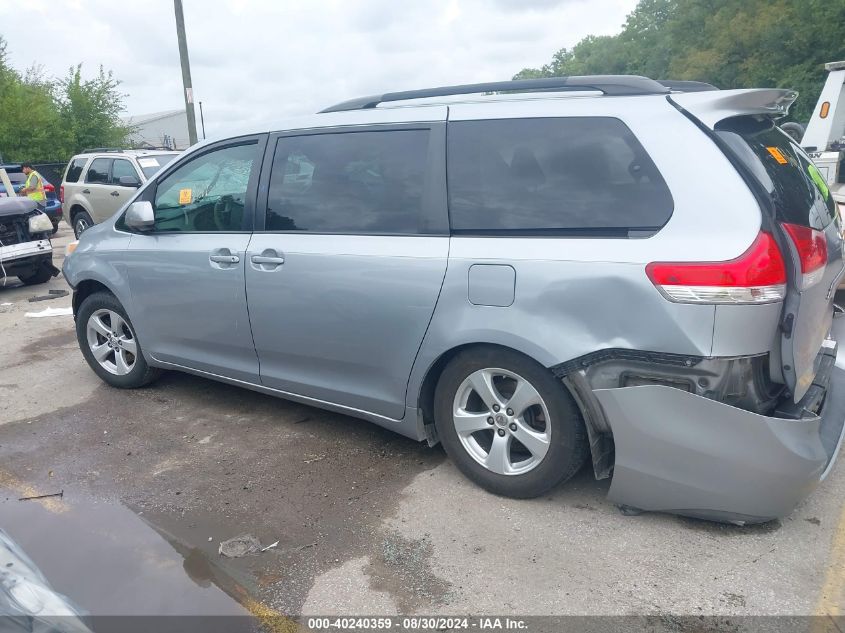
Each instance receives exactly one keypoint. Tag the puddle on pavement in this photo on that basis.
(109, 561)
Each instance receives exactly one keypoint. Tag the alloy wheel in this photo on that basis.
(502, 421)
(112, 342)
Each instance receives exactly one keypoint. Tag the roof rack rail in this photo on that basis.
(683, 85)
(611, 85)
(102, 149)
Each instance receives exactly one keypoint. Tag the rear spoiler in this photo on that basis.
(710, 107)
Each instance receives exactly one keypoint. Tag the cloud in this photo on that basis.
(256, 62)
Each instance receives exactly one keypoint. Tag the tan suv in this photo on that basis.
(97, 182)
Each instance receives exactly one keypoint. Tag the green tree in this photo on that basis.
(29, 121)
(729, 43)
(45, 120)
(90, 109)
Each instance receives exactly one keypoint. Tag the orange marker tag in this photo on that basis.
(185, 195)
(778, 155)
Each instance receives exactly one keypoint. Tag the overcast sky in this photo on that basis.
(254, 62)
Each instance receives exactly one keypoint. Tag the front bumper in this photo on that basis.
(685, 454)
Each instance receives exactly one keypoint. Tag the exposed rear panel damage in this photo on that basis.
(708, 439)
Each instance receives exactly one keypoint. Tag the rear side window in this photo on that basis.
(799, 192)
(98, 172)
(349, 182)
(74, 169)
(578, 175)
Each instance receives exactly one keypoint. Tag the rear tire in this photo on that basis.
(537, 439)
(81, 223)
(109, 344)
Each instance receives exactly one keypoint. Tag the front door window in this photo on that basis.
(208, 193)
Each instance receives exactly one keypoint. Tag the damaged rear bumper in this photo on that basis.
(686, 454)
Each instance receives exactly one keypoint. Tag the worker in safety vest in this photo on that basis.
(34, 186)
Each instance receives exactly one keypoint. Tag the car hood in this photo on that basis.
(16, 206)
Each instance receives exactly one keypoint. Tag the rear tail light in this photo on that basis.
(756, 276)
(61, 193)
(49, 187)
(812, 251)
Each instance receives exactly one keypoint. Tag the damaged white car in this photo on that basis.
(25, 248)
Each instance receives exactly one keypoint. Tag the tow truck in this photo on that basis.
(824, 137)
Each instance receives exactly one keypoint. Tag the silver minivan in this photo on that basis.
(535, 274)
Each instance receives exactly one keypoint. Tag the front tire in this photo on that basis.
(81, 223)
(508, 423)
(109, 344)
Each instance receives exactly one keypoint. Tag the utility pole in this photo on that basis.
(202, 121)
(186, 72)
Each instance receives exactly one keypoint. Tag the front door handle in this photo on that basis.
(115, 193)
(263, 259)
(225, 259)
(86, 191)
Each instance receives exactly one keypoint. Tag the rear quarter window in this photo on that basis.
(573, 175)
(798, 191)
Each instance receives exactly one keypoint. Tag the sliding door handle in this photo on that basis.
(263, 259)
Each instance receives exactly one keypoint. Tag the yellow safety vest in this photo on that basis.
(38, 195)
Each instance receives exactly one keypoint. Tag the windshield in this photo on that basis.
(151, 163)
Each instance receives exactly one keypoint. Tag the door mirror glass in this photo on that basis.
(129, 181)
(140, 216)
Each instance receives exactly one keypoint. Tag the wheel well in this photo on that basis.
(429, 383)
(601, 441)
(74, 210)
(85, 289)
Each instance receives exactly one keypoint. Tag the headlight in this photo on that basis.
(40, 223)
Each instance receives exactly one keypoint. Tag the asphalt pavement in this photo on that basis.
(367, 522)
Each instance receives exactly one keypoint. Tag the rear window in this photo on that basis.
(574, 175)
(74, 169)
(799, 192)
(152, 163)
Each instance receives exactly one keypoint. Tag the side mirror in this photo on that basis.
(129, 181)
(140, 216)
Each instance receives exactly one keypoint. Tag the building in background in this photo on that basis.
(167, 129)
